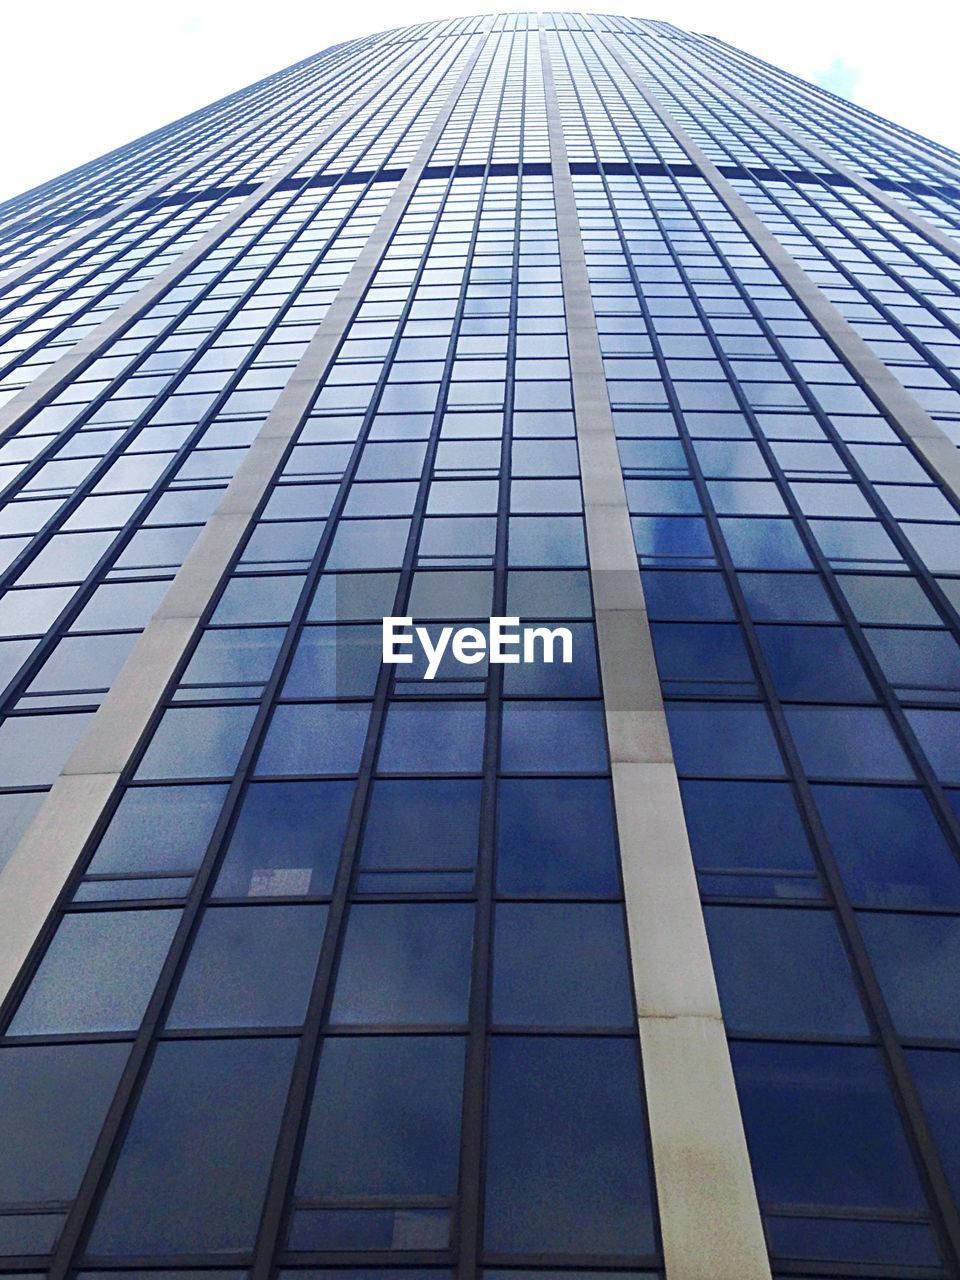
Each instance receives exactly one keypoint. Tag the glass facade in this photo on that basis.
(319, 967)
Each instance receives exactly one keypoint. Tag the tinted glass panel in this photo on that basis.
(566, 1156)
(763, 959)
(250, 967)
(561, 965)
(159, 829)
(556, 836)
(822, 1127)
(55, 1099)
(385, 1119)
(98, 973)
(405, 963)
(420, 822)
(891, 850)
(193, 1167)
(917, 959)
(287, 839)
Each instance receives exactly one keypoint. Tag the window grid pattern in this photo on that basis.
(390, 908)
(688, 478)
(35, 345)
(53, 209)
(458, 488)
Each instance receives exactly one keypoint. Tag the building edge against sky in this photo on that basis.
(644, 966)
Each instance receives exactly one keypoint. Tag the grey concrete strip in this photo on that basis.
(914, 423)
(38, 868)
(709, 1216)
(36, 263)
(59, 374)
(946, 243)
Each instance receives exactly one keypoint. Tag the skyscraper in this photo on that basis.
(645, 964)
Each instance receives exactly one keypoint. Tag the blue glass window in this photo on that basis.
(250, 967)
(422, 822)
(724, 741)
(847, 742)
(763, 958)
(97, 974)
(55, 1100)
(405, 963)
(814, 664)
(553, 737)
(560, 965)
(314, 738)
(822, 1127)
(566, 1150)
(385, 1119)
(556, 836)
(917, 961)
(287, 839)
(193, 1168)
(889, 847)
(433, 737)
(159, 829)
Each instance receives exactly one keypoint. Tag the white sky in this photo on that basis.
(83, 76)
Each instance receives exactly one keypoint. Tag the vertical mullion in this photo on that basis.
(470, 1227)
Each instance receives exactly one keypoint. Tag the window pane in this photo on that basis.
(250, 967)
(566, 1148)
(745, 825)
(405, 963)
(889, 846)
(159, 829)
(937, 1076)
(199, 742)
(694, 658)
(193, 1168)
(422, 822)
(556, 836)
(763, 958)
(55, 1098)
(814, 664)
(287, 839)
(17, 810)
(822, 1127)
(847, 742)
(334, 662)
(98, 973)
(917, 960)
(553, 737)
(433, 737)
(786, 597)
(709, 738)
(385, 1119)
(939, 735)
(314, 738)
(561, 965)
(33, 749)
(687, 595)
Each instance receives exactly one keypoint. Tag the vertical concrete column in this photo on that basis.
(709, 1216)
(59, 374)
(38, 868)
(904, 413)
